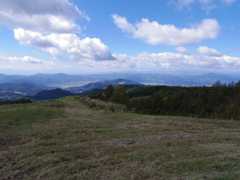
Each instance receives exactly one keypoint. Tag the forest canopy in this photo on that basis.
(217, 101)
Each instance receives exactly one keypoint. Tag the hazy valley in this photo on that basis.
(19, 86)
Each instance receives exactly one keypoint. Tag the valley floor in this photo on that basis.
(69, 140)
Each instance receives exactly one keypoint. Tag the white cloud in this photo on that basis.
(57, 44)
(155, 33)
(163, 61)
(50, 25)
(208, 51)
(123, 24)
(144, 61)
(25, 59)
(41, 16)
(182, 50)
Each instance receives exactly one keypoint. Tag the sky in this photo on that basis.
(107, 36)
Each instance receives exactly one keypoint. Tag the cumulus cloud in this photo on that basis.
(155, 33)
(208, 51)
(51, 26)
(41, 16)
(56, 44)
(25, 59)
(123, 24)
(182, 50)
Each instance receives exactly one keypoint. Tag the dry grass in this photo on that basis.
(72, 141)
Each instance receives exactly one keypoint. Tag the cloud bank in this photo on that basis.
(165, 61)
(154, 33)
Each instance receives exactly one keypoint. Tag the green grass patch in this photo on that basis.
(70, 140)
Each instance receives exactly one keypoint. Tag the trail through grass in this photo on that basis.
(72, 141)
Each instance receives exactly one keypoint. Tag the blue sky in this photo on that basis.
(92, 36)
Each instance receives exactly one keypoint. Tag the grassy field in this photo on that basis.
(69, 140)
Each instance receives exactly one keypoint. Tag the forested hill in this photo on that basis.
(218, 101)
(51, 94)
(13, 91)
(211, 102)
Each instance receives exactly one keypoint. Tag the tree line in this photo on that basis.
(116, 94)
(18, 101)
(217, 101)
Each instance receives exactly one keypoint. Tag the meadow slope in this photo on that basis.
(70, 140)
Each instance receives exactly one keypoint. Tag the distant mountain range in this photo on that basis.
(100, 85)
(18, 86)
(61, 80)
(39, 91)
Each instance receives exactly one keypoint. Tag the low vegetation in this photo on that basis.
(18, 101)
(70, 139)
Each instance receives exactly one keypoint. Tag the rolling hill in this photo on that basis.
(11, 91)
(70, 140)
(51, 94)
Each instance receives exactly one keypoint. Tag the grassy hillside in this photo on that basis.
(69, 140)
